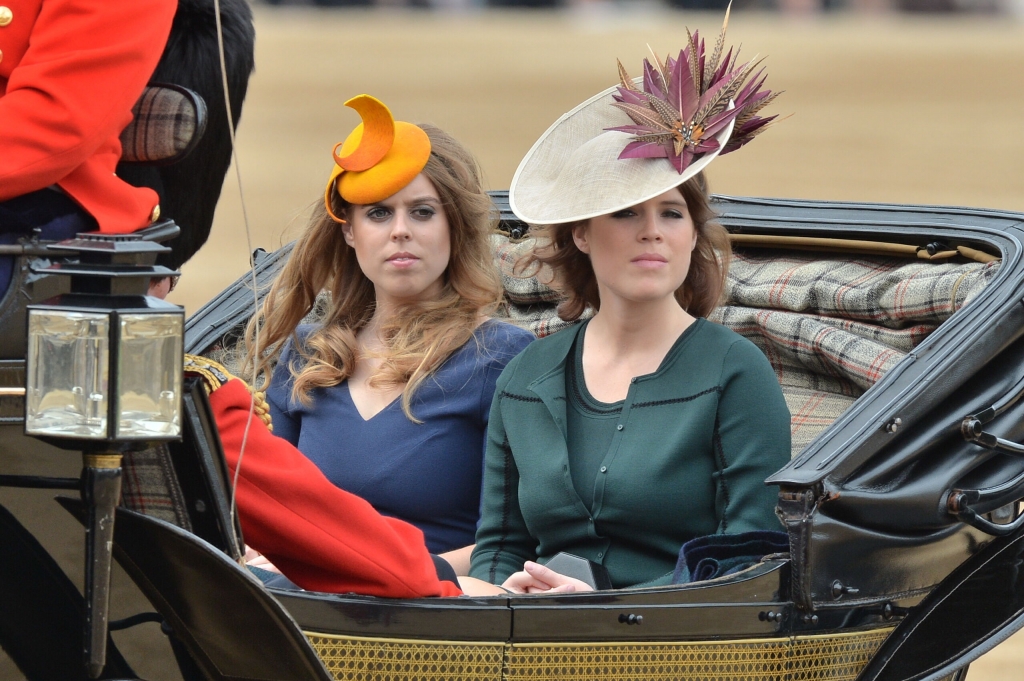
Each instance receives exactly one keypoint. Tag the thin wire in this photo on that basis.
(252, 266)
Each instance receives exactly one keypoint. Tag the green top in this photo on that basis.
(590, 426)
(688, 457)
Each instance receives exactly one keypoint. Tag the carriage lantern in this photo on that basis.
(104, 377)
(104, 361)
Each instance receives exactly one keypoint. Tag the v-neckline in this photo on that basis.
(355, 405)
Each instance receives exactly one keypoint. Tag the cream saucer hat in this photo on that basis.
(627, 145)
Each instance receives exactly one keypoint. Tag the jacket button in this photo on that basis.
(619, 427)
(155, 215)
(6, 16)
(1, 55)
(604, 469)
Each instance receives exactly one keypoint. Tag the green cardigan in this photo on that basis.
(695, 442)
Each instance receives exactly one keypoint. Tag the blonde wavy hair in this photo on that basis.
(419, 337)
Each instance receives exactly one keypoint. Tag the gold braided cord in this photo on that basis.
(829, 657)
(215, 375)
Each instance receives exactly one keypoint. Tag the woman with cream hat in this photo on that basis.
(389, 395)
(623, 437)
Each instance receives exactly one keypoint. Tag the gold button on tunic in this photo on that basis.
(155, 215)
(6, 15)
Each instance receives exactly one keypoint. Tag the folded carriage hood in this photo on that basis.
(869, 504)
(959, 349)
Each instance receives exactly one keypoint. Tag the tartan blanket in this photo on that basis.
(830, 324)
(889, 292)
(150, 486)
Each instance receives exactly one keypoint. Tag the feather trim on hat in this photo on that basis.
(687, 101)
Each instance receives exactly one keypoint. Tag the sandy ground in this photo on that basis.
(883, 109)
(889, 109)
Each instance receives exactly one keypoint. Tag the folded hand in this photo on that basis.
(535, 578)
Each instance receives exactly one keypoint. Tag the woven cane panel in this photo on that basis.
(834, 657)
(831, 658)
(366, 659)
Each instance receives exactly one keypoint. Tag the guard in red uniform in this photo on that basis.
(321, 537)
(70, 72)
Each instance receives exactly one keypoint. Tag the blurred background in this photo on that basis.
(884, 103)
(903, 101)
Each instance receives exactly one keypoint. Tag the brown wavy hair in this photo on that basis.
(573, 276)
(418, 337)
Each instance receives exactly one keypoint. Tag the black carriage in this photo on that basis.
(896, 332)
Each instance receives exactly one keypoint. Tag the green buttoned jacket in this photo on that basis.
(694, 444)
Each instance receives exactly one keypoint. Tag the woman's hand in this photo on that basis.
(535, 579)
(256, 559)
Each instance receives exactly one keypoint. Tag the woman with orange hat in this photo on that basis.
(390, 395)
(623, 437)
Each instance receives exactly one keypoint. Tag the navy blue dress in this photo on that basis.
(428, 473)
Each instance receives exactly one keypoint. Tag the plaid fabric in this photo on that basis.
(519, 290)
(540, 319)
(150, 486)
(821, 353)
(811, 412)
(163, 125)
(889, 292)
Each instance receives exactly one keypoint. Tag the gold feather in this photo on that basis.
(717, 104)
(736, 83)
(750, 111)
(641, 116)
(627, 82)
(660, 72)
(711, 66)
(667, 112)
(656, 139)
(694, 63)
(662, 68)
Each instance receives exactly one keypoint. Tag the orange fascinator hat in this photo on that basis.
(378, 158)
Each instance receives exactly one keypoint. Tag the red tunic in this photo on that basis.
(70, 72)
(321, 537)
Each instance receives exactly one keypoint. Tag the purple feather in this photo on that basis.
(707, 145)
(723, 68)
(683, 90)
(652, 80)
(710, 93)
(751, 88)
(644, 150)
(637, 130)
(680, 162)
(629, 97)
(715, 124)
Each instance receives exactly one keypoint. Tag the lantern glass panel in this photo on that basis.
(149, 376)
(68, 369)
